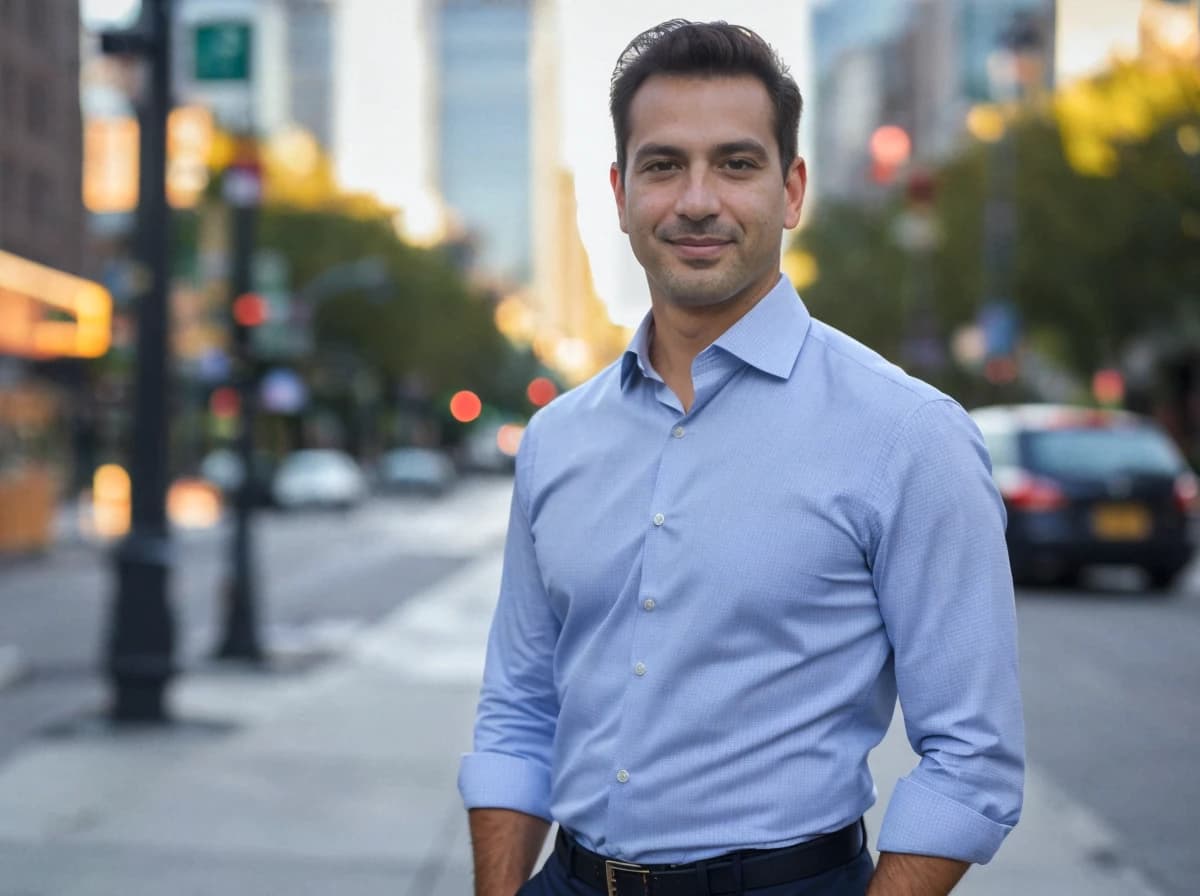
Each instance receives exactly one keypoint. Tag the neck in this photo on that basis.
(680, 333)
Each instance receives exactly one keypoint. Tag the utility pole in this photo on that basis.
(141, 634)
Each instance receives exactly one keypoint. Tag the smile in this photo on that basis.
(699, 248)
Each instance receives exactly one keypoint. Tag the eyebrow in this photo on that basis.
(749, 147)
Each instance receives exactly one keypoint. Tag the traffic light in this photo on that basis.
(250, 310)
(891, 148)
(541, 391)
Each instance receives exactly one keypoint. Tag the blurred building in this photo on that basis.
(310, 44)
(916, 64)
(482, 61)
(41, 215)
(385, 126)
(46, 313)
(1095, 32)
(290, 64)
(569, 324)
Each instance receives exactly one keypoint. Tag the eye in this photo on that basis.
(660, 165)
(741, 164)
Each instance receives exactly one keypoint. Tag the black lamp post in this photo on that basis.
(141, 635)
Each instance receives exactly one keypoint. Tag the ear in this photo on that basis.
(618, 188)
(794, 186)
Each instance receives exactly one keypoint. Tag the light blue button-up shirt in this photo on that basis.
(705, 618)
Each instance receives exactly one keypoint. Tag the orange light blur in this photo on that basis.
(110, 501)
(193, 503)
(465, 406)
(890, 146)
(110, 165)
(250, 310)
(508, 438)
(541, 391)
(26, 286)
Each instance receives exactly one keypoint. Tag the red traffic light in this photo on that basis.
(465, 406)
(250, 310)
(541, 391)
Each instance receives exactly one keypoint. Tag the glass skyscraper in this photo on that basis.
(483, 114)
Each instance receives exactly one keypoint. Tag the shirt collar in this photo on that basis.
(768, 336)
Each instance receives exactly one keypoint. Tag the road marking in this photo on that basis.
(12, 665)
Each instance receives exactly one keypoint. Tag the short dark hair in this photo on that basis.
(709, 49)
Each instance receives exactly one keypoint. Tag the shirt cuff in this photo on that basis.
(922, 822)
(501, 781)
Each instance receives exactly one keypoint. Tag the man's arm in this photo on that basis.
(506, 846)
(505, 781)
(900, 874)
(945, 594)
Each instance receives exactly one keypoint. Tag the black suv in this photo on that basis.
(1085, 486)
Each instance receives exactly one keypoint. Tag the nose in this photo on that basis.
(699, 199)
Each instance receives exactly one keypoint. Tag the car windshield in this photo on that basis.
(312, 462)
(1076, 453)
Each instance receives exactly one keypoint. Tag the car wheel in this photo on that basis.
(1162, 577)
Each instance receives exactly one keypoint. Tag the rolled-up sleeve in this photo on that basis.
(942, 575)
(509, 767)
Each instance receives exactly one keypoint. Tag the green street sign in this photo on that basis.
(223, 51)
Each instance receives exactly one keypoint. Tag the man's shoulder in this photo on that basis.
(589, 395)
(870, 380)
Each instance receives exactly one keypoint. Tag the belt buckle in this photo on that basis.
(613, 867)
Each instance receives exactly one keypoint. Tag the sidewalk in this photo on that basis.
(342, 779)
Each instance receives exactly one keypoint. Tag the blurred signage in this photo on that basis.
(110, 165)
(222, 51)
(45, 313)
(189, 141)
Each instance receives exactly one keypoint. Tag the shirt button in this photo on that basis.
(648, 604)
(623, 776)
(678, 432)
(639, 669)
(659, 519)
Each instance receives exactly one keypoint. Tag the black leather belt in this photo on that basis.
(759, 868)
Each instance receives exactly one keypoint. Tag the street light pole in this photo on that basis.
(239, 639)
(141, 634)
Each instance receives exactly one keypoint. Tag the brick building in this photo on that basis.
(41, 212)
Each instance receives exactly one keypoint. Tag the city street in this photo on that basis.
(322, 576)
(1110, 673)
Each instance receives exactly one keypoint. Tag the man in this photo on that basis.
(728, 553)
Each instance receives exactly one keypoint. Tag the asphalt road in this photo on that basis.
(1111, 674)
(1111, 682)
(321, 576)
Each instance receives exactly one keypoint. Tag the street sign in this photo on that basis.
(223, 51)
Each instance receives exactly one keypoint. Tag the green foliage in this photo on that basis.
(431, 329)
(1101, 262)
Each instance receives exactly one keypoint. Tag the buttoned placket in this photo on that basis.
(663, 531)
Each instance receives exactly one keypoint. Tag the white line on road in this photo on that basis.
(12, 665)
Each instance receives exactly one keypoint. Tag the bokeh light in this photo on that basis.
(465, 406)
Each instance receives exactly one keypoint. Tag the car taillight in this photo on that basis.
(1024, 491)
(1187, 493)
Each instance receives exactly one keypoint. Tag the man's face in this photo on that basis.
(702, 199)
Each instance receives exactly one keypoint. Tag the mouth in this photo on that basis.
(695, 247)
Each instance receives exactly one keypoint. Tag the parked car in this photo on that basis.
(491, 447)
(421, 470)
(1085, 486)
(318, 478)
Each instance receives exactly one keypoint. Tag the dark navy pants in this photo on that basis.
(849, 880)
